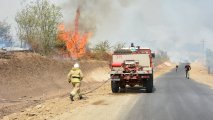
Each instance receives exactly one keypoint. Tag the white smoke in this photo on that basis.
(177, 26)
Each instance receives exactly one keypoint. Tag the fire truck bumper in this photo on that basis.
(115, 79)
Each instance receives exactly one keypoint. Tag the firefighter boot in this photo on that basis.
(80, 97)
(71, 97)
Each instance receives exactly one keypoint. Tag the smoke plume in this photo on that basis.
(176, 26)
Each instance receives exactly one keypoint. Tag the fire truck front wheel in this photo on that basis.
(115, 86)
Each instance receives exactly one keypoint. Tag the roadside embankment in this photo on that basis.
(28, 79)
(200, 74)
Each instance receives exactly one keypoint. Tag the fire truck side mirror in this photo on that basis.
(153, 55)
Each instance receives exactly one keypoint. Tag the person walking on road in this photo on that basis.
(176, 68)
(75, 77)
(187, 69)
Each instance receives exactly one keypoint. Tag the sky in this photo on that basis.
(176, 26)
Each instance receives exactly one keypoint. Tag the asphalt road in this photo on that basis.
(175, 98)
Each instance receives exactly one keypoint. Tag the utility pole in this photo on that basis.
(203, 45)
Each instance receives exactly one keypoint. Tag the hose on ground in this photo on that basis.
(104, 82)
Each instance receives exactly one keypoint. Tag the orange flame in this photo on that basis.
(75, 42)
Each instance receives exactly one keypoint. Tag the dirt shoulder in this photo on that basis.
(100, 101)
(200, 74)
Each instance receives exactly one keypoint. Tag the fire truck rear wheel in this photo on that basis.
(115, 86)
(149, 85)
